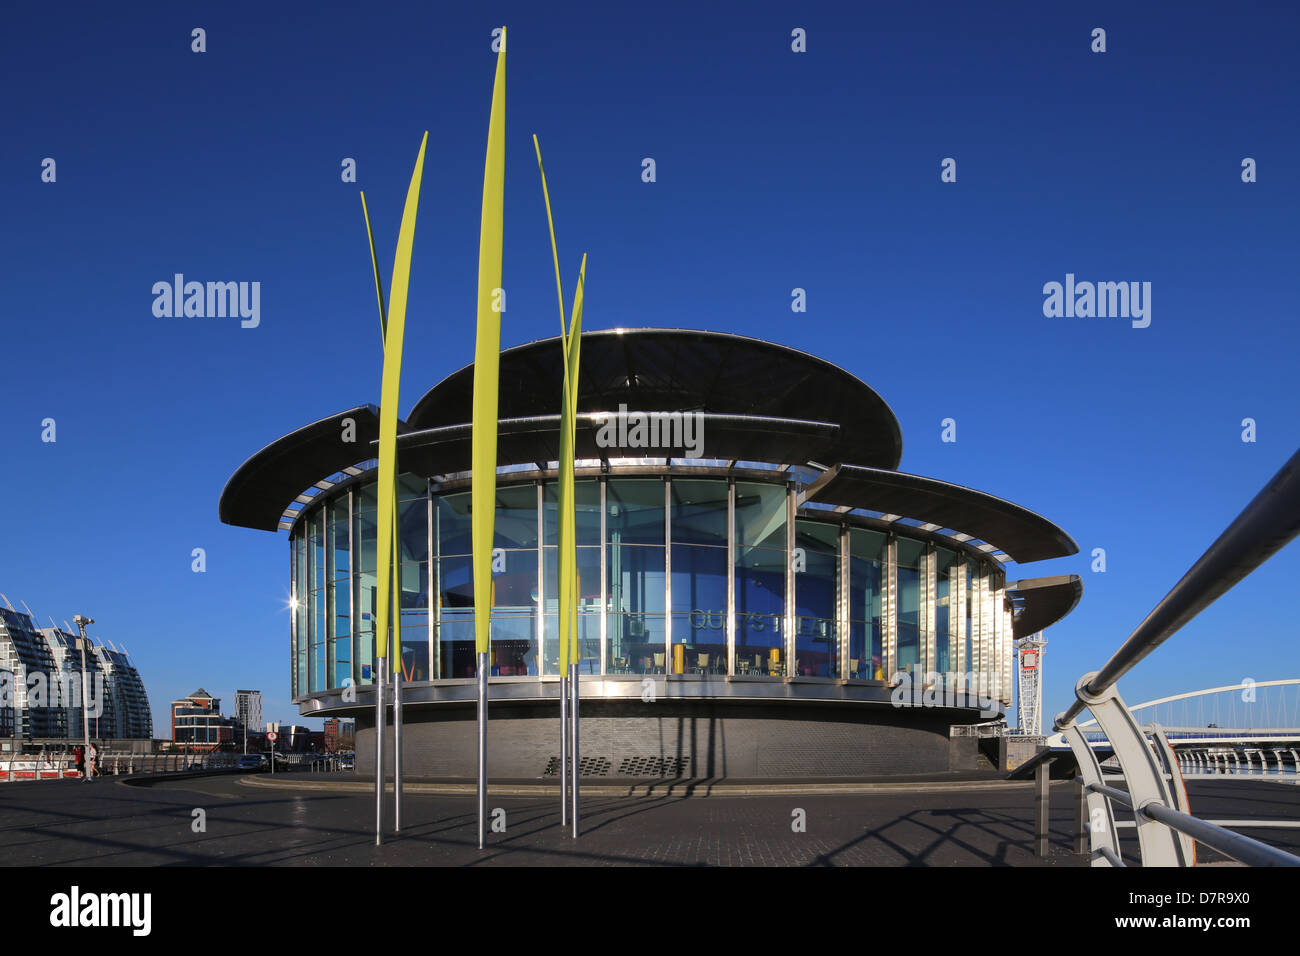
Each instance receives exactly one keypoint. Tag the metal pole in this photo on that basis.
(1081, 840)
(379, 751)
(397, 750)
(1264, 526)
(564, 750)
(1042, 781)
(482, 743)
(85, 705)
(574, 751)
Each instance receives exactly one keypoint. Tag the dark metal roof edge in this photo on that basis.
(1027, 586)
(947, 487)
(555, 339)
(231, 490)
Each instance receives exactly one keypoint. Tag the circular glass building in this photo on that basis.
(762, 594)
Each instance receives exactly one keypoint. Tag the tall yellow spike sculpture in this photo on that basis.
(395, 559)
(386, 518)
(567, 552)
(487, 353)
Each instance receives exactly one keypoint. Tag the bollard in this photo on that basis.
(1042, 781)
(1082, 838)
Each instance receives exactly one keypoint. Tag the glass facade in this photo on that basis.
(688, 576)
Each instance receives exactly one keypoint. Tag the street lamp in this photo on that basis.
(81, 621)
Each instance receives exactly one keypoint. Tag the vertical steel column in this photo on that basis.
(731, 575)
(791, 625)
(986, 632)
(539, 623)
(397, 748)
(564, 746)
(328, 594)
(484, 659)
(842, 622)
(929, 609)
(296, 606)
(891, 616)
(430, 578)
(1008, 689)
(957, 618)
(668, 583)
(353, 575)
(604, 584)
(379, 751)
(574, 749)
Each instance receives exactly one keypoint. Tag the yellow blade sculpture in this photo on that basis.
(568, 504)
(394, 330)
(397, 543)
(567, 524)
(487, 352)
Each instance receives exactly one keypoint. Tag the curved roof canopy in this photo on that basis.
(1043, 601)
(447, 449)
(256, 494)
(1021, 533)
(680, 370)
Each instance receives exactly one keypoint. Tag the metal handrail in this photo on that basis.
(1264, 527)
(1239, 847)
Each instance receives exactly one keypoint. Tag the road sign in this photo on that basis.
(273, 736)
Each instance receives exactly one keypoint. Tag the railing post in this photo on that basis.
(1081, 818)
(1142, 774)
(1103, 837)
(1176, 788)
(1042, 804)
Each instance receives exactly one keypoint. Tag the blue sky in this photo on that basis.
(775, 170)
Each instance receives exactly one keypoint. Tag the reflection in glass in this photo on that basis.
(816, 591)
(945, 568)
(911, 563)
(760, 579)
(866, 604)
(699, 577)
(635, 568)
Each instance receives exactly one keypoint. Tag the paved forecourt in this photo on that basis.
(297, 823)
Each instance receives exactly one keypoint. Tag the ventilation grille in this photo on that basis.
(655, 767)
(662, 767)
(587, 767)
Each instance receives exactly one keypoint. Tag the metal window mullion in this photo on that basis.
(668, 577)
(986, 631)
(929, 610)
(957, 615)
(331, 601)
(731, 575)
(429, 573)
(842, 607)
(539, 626)
(891, 608)
(1005, 654)
(435, 596)
(293, 621)
(604, 583)
(790, 637)
(354, 639)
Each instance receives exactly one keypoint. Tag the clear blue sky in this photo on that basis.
(775, 170)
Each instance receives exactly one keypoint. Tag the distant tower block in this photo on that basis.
(1029, 667)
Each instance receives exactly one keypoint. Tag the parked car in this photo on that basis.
(249, 762)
